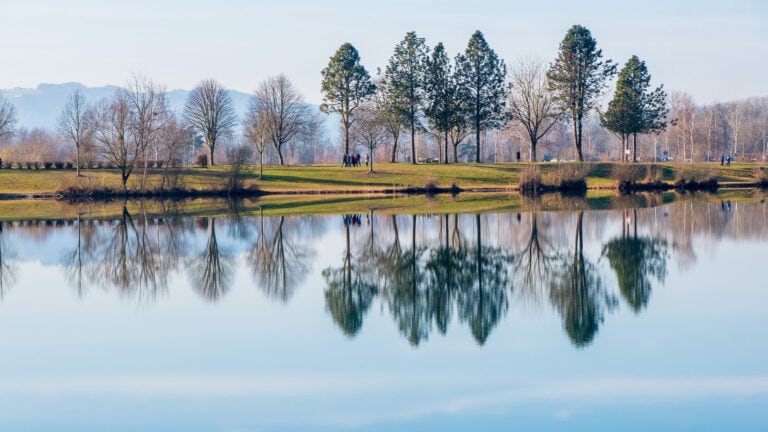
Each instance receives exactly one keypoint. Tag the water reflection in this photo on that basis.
(427, 273)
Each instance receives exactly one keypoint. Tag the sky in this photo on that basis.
(714, 50)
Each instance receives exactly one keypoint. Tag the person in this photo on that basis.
(722, 160)
(366, 160)
(518, 155)
(728, 161)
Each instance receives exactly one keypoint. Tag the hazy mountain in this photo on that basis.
(40, 107)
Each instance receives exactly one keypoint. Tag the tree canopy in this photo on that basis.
(578, 77)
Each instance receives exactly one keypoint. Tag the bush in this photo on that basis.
(58, 165)
(47, 165)
(530, 178)
(202, 160)
(761, 176)
(696, 178)
(430, 185)
(568, 177)
(69, 165)
(627, 175)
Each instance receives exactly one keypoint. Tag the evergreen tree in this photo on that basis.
(578, 77)
(345, 85)
(634, 109)
(441, 102)
(481, 75)
(404, 78)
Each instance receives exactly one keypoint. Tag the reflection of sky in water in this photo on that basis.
(694, 358)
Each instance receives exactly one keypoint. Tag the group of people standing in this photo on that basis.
(725, 160)
(353, 160)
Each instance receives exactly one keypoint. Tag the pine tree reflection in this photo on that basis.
(636, 259)
(578, 293)
(348, 293)
(484, 301)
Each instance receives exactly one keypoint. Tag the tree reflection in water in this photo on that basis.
(7, 268)
(636, 259)
(349, 293)
(578, 293)
(447, 269)
(211, 271)
(277, 260)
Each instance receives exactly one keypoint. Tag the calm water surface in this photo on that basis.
(639, 319)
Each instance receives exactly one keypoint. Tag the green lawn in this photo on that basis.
(336, 179)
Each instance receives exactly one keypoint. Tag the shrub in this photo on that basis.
(59, 165)
(47, 165)
(430, 185)
(696, 178)
(202, 160)
(627, 175)
(568, 177)
(761, 176)
(69, 165)
(530, 178)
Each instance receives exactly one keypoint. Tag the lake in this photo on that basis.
(637, 319)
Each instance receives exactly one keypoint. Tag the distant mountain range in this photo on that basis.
(40, 107)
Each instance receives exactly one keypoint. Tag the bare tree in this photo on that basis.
(530, 103)
(256, 129)
(684, 112)
(7, 118)
(734, 116)
(148, 113)
(75, 123)
(210, 112)
(368, 129)
(113, 136)
(286, 113)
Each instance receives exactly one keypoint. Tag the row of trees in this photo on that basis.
(469, 94)
(418, 84)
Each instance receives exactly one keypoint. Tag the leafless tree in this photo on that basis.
(7, 118)
(684, 112)
(76, 123)
(368, 129)
(530, 103)
(210, 112)
(734, 116)
(148, 113)
(256, 129)
(113, 134)
(286, 113)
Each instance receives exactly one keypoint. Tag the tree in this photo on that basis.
(369, 130)
(346, 84)
(7, 118)
(578, 77)
(148, 114)
(256, 129)
(442, 103)
(634, 109)
(212, 271)
(404, 77)
(113, 135)
(530, 103)
(210, 112)
(482, 75)
(392, 119)
(283, 106)
(74, 123)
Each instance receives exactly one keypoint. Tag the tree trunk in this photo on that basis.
(477, 141)
(346, 136)
(394, 148)
(280, 155)
(261, 165)
(455, 153)
(77, 167)
(210, 153)
(634, 148)
(370, 161)
(445, 157)
(534, 141)
(413, 140)
(578, 144)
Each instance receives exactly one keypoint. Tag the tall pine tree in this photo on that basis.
(442, 105)
(578, 77)
(346, 84)
(635, 109)
(481, 76)
(404, 78)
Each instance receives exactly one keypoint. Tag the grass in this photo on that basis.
(335, 179)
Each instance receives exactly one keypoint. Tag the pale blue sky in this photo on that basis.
(715, 50)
